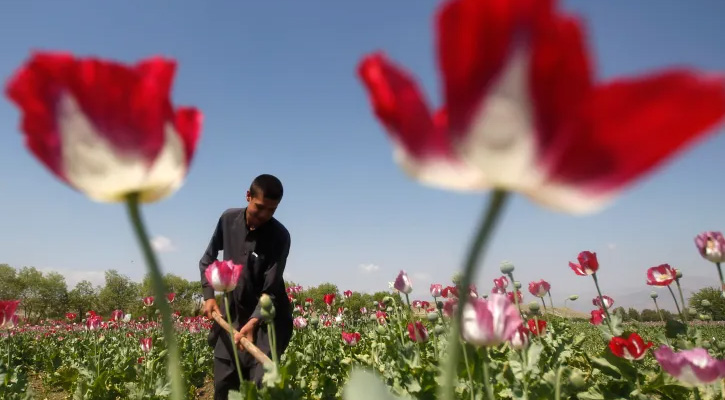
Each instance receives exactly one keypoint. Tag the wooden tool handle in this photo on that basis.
(244, 344)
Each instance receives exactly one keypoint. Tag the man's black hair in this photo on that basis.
(269, 185)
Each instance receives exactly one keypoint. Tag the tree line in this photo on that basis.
(46, 295)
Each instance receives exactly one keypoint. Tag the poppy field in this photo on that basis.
(513, 347)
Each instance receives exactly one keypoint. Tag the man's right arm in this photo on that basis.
(216, 244)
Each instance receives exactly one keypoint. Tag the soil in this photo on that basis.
(35, 382)
(41, 392)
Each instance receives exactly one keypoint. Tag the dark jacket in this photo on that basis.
(263, 253)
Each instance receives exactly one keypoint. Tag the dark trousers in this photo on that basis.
(225, 371)
(226, 377)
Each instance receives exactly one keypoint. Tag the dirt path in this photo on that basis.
(41, 392)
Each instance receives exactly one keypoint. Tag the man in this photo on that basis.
(252, 237)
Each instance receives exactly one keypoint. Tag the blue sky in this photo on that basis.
(277, 85)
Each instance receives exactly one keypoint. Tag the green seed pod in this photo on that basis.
(653, 294)
(573, 297)
(534, 307)
(389, 309)
(439, 305)
(517, 285)
(387, 300)
(265, 301)
(268, 315)
(705, 303)
(577, 379)
(432, 316)
(439, 329)
(507, 267)
(381, 329)
(692, 311)
(678, 273)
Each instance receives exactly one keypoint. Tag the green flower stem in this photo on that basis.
(231, 336)
(516, 295)
(551, 301)
(468, 369)
(173, 359)
(543, 303)
(412, 319)
(557, 390)
(486, 375)
(603, 304)
(524, 379)
(440, 312)
(722, 281)
(98, 356)
(435, 345)
(273, 342)
(497, 201)
(682, 300)
(657, 307)
(676, 305)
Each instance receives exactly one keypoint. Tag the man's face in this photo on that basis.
(260, 209)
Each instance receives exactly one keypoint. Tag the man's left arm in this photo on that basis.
(273, 276)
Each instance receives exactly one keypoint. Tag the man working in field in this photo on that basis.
(252, 237)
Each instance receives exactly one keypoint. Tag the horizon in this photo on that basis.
(278, 89)
(633, 300)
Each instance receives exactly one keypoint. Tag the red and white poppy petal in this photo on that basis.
(187, 122)
(560, 77)
(105, 128)
(629, 127)
(474, 42)
(500, 139)
(401, 107)
(421, 145)
(487, 56)
(92, 165)
(35, 89)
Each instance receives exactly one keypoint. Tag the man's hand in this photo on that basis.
(209, 307)
(247, 331)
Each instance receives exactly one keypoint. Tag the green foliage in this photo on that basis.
(716, 308)
(648, 315)
(188, 300)
(570, 357)
(353, 303)
(119, 293)
(82, 298)
(633, 315)
(10, 287)
(46, 295)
